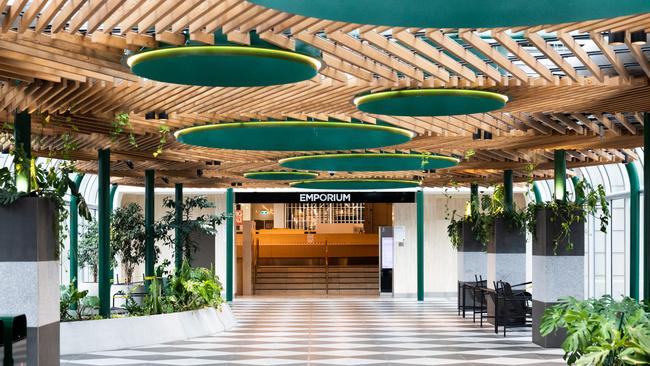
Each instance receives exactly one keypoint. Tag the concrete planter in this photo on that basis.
(506, 253)
(110, 334)
(472, 259)
(555, 274)
(29, 269)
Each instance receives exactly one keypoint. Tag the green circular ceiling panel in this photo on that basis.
(354, 184)
(430, 102)
(225, 66)
(280, 175)
(293, 136)
(369, 162)
(458, 13)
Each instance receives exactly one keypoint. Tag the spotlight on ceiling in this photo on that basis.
(150, 115)
(616, 38)
(477, 135)
(487, 135)
(199, 173)
(638, 37)
(163, 116)
(165, 180)
(129, 163)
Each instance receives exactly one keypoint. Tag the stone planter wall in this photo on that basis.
(110, 334)
(472, 259)
(29, 269)
(555, 274)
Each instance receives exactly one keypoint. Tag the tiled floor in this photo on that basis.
(341, 332)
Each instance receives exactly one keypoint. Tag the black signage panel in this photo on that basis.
(324, 197)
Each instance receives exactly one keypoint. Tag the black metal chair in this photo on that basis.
(469, 296)
(512, 308)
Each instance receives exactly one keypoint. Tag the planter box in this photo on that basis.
(29, 270)
(110, 334)
(472, 259)
(555, 273)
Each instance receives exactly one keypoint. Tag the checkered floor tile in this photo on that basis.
(323, 332)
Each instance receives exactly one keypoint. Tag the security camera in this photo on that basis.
(331, 173)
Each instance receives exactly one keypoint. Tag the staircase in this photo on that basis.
(317, 280)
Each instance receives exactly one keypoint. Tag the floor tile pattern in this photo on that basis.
(322, 332)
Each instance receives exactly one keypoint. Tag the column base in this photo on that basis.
(553, 340)
(43, 345)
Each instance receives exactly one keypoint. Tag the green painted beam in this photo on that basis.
(420, 243)
(178, 212)
(230, 245)
(149, 245)
(559, 176)
(635, 224)
(23, 150)
(74, 234)
(508, 197)
(473, 198)
(646, 211)
(103, 217)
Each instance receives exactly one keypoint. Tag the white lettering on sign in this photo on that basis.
(325, 197)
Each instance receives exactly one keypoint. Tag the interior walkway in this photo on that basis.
(341, 332)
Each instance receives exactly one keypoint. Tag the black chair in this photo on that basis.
(469, 295)
(512, 308)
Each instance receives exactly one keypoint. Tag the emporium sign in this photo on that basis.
(324, 197)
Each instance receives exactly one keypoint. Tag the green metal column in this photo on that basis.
(538, 194)
(646, 210)
(103, 218)
(230, 245)
(110, 209)
(149, 248)
(420, 243)
(473, 198)
(178, 211)
(74, 234)
(559, 175)
(508, 199)
(635, 224)
(23, 149)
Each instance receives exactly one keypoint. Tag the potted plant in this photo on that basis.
(128, 237)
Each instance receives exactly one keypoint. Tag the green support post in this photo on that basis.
(74, 234)
(110, 209)
(473, 198)
(559, 176)
(178, 212)
(23, 148)
(149, 245)
(103, 219)
(508, 199)
(635, 224)
(579, 199)
(420, 243)
(646, 210)
(230, 245)
(538, 194)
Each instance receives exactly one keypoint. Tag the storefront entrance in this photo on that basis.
(311, 244)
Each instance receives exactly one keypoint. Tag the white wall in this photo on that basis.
(405, 258)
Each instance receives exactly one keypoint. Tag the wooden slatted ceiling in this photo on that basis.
(65, 58)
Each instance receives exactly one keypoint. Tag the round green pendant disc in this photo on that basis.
(293, 136)
(354, 184)
(280, 175)
(430, 102)
(368, 162)
(226, 66)
(459, 13)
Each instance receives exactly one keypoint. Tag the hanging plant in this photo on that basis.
(120, 124)
(588, 202)
(163, 131)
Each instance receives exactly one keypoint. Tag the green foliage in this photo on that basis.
(70, 298)
(188, 224)
(163, 131)
(52, 183)
(121, 123)
(601, 331)
(190, 289)
(88, 248)
(588, 202)
(128, 237)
